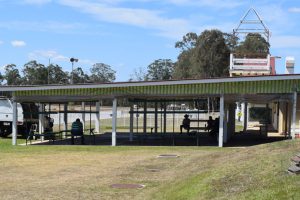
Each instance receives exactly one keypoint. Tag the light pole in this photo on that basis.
(72, 60)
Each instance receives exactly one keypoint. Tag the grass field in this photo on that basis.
(86, 172)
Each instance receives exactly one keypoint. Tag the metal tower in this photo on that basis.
(251, 25)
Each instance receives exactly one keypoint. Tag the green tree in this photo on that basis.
(211, 55)
(161, 69)
(188, 42)
(56, 75)
(183, 66)
(102, 73)
(35, 73)
(138, 75)
(12, 75)
(204, 56)
(254, 45)
(79, 76)
(1, 78)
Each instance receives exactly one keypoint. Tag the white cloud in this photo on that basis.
(18, 43)
(54, 56)
(285, 41)
(150, 19)
(37, 2)
(1, 42)
(294, 10)
(45, 26)
(47, 54)
(208, 3)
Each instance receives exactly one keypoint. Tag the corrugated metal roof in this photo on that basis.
(241, 85)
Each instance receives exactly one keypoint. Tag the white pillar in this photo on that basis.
(83, 114)
(97, 120)
(41, 118)
(14, 124)
(145, 118)
(131, 124)
(221, 122)
(208, 106)
(114, 123)
(293, 127)
(231, 120)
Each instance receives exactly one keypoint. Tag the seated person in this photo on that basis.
(77, 130)
(210, 124)
(47, 124)
(48, 128)
(185, 123)
(214, 132)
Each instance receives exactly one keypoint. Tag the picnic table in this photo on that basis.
(53, 135)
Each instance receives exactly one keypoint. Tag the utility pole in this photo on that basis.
(72, 60)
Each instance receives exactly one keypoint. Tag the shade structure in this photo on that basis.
(280, 84)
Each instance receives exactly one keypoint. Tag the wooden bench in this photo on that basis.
(199, 127)
(68, 134)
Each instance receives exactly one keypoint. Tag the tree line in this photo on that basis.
(34, 73)
(201, 56)
(204, 56)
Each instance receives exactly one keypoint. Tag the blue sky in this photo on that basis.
(130, 34)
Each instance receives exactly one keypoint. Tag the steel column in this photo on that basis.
(114, 123)
(221, 122)
(14, 124)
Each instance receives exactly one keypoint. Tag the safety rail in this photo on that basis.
(259, 64)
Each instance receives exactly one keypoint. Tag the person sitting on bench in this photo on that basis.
(185, 123)
(77, 130)
(210, 124)
(214, 132)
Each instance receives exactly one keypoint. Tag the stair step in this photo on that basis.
(294, 169)
(296, 159)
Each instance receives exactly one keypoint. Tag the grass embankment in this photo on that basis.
(86, 172)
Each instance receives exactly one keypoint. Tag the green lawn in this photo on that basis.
(86, 172)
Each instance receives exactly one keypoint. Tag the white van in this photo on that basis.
(6, 118)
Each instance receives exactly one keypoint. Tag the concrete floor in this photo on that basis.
(249, 138)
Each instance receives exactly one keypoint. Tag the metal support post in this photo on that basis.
(97, 120)
(145, 118)
(221, 124)
(131, 124)
(14, 124)
(41, 119)
(114, 123)
(83, 114)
